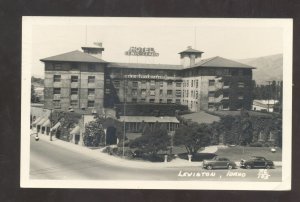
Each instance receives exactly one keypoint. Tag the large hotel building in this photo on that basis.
(83, 80)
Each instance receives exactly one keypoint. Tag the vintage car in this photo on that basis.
(257, 162)
(218, 162)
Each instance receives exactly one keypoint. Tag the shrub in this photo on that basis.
(197, 156)
(255, 144)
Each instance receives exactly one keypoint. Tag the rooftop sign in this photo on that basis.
(140, 51)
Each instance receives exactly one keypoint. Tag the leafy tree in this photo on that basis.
(153, 140)
(193, 136)
(33, 95)
(246, 132)
(94, 132)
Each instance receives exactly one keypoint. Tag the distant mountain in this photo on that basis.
(268, 68)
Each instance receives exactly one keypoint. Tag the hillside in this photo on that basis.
(268, 68)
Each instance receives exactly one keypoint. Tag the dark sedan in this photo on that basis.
(218, 162)
(257, 162)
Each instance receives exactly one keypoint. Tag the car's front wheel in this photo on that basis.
(209, 167)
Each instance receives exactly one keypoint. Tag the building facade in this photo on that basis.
(82, 80)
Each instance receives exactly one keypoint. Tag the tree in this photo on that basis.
(193, 136)
(33, 95)
(246, 132)
(152, 141)
(94, 132)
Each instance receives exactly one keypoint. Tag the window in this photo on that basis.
(107, 91)
(211, 94)
(134, 100)
(74, 103)
(161, 84)
(211, 82)
(152, 92)
(151, 100)
(91, 91)
(56, 78)
(187, 83)
(74, 79)
(177, 101)
(74, 66)
(196, 83)
(57, 66)
(91, 103)
(56, 90)
(135, 84)
(92, 67)
(169, 101)
(192, 93)
(240, 96)
(226, 94)
(74, 91)
(152, 83)
(196, 94)
(192, 83)
(187, 93)
(117, 84)
(160, 100)
(178, 84)
(225, 105)
(143, 91)
(178, 93)
(160, 92)
(134, 92)
(241, 84)
(143, 100)
(143, 82)
(91, 79)
(169, 92)
(107, 81)
(183, 93)
(169, 83)
(210, 106)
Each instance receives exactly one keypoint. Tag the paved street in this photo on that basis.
(51, 161)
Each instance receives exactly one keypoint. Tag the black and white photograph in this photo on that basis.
(156, 103)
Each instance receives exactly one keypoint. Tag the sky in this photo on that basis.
(229, 40)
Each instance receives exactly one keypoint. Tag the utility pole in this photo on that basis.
(269, 93)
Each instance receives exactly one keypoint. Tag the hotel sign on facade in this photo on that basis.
(141, 51)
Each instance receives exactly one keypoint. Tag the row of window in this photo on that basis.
(73, 103)
(74, 79)
(144, 82)
(194, 83)
(151, 92)
(74, 67)
(73, 91)
(169, 101)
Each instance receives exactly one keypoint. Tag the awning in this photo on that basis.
(149, 119)
(55, 126)
(42, 121)
(46, 123)
(75, 131)
(37, 120)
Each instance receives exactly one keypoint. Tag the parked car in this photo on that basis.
(257, 162)
(218, 162)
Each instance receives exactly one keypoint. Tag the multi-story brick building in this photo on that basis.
(82, 80)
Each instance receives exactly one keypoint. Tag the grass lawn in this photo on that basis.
(238, 152)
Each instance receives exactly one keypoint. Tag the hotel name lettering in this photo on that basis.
(140, 51)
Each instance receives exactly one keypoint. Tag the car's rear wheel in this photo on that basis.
(248, 166)
(229, 166)
(209, 167)
(268, 166)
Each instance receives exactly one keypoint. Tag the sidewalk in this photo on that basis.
(118, 161)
